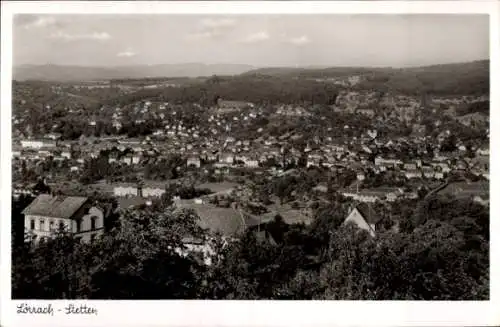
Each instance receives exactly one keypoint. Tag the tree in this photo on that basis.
(277, 228)
(327, 219)
(346, 178)
(143, 253)
(449, 144)
(416, 263)
(41, 187)
(283, 188)
(17, 221)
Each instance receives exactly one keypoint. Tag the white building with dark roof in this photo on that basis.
(363, 217)
(48, 214)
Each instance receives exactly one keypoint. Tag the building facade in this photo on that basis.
(48, 214)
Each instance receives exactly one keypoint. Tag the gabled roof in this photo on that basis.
(226, 221)
(55, 206)
(290, 217)
(368, 213)
(106, 208)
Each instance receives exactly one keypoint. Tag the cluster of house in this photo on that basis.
(381, 194)
(437, 101)
(403, 107)
(351, 100)
(225, 106)
(48, 214)
(291, 110)
(227, 151)
(134, 189)
(345, 81)
(476, 191)
(217, 132)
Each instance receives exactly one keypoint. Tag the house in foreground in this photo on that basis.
(364, 218)
(229, 223)
(48, 214)
(225, 222)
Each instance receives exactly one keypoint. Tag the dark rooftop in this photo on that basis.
(55, 206)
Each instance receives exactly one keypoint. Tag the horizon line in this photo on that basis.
(310, 66)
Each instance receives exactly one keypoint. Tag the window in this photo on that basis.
(32, 224)
(42, 224)
(79, 224)
(92, 238)
(61, 225)
(78, 239)
(93, 221)
(51, 225)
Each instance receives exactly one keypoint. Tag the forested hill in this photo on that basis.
(316, 85)
(288, 86)
(461, 78)
(314, 72)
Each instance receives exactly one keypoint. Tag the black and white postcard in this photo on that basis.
(325, 151)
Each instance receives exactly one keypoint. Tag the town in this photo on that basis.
(344, 149)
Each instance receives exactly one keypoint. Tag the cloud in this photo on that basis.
(98, 36)
(40, 22)
(299, 41)
(217, 23)
(211, 28)
(256, 37)
(202, 35)
(127, 53)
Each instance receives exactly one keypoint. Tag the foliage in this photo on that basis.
(431, 263)
(482, 107)
(141, 254)
(165, 169)
(442, 254)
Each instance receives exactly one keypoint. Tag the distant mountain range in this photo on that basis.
(81, 73)
(457, 68)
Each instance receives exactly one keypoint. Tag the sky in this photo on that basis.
(258, 40)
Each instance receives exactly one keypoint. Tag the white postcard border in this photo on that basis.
(252, 313)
